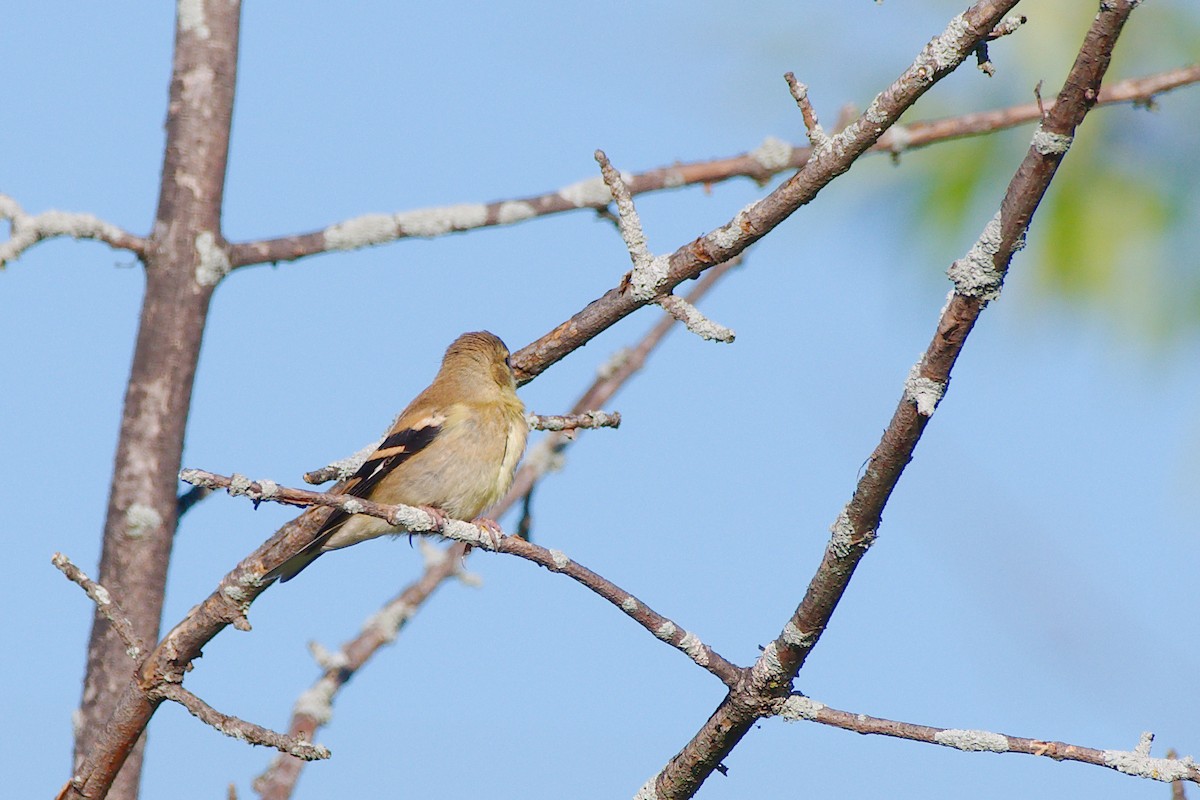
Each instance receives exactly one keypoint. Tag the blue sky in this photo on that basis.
(1035, 572)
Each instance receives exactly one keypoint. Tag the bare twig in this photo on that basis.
(570, 422)
(1007, 26)
(693, 320)
(797, 707)
(240, 728)
(628, 221)
(649, 274)
(29, 229)
(342, 468)
(816, 134)
(107, 606)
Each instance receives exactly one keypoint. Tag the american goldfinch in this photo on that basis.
(455, 449)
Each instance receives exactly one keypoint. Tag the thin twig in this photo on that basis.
(694, 321)
(29, 229)
(650, 274)
(104, 601)
(1136, 762)
(628, 221)
(241, 729)
(342, 468)
(816, 134)
(570, 422)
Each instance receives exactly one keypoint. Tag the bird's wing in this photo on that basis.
(393, 451)
(398, 447)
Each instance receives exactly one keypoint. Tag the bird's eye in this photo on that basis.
(508, 361)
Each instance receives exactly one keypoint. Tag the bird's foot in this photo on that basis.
(439, 517)
(439, 521)
(491, 527)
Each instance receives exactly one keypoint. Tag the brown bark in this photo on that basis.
(770, 678)
(140, 525)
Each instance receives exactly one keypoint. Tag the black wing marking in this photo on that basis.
(391, 453)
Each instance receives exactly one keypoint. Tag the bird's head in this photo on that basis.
(481, 358)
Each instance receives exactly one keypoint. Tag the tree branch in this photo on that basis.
(105, 604)
(345, 467)
(226, 605)
(575, 421)
(184, 259)
(410, 519)
(1137, 762)
(27, 230)
(977, 278)
(241, 729)
(758, 219)
(771, 158)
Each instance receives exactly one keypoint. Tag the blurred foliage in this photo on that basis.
(1119, 231)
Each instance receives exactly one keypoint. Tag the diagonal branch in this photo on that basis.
(105, 604)
(978, 278)
(935, 61)
(411, 519)
(235, 728)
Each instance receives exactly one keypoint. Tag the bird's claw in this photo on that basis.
(491, 527)
(439, 517)
(439, 520)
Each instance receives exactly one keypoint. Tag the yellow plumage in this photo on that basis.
(454, 448)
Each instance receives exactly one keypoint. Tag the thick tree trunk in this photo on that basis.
(183, 264)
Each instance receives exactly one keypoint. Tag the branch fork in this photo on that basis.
(158, 687)
(650, 273)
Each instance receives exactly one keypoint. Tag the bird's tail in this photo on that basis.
(312, 551)
(295, 565)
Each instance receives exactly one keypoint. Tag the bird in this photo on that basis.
(454, 449)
